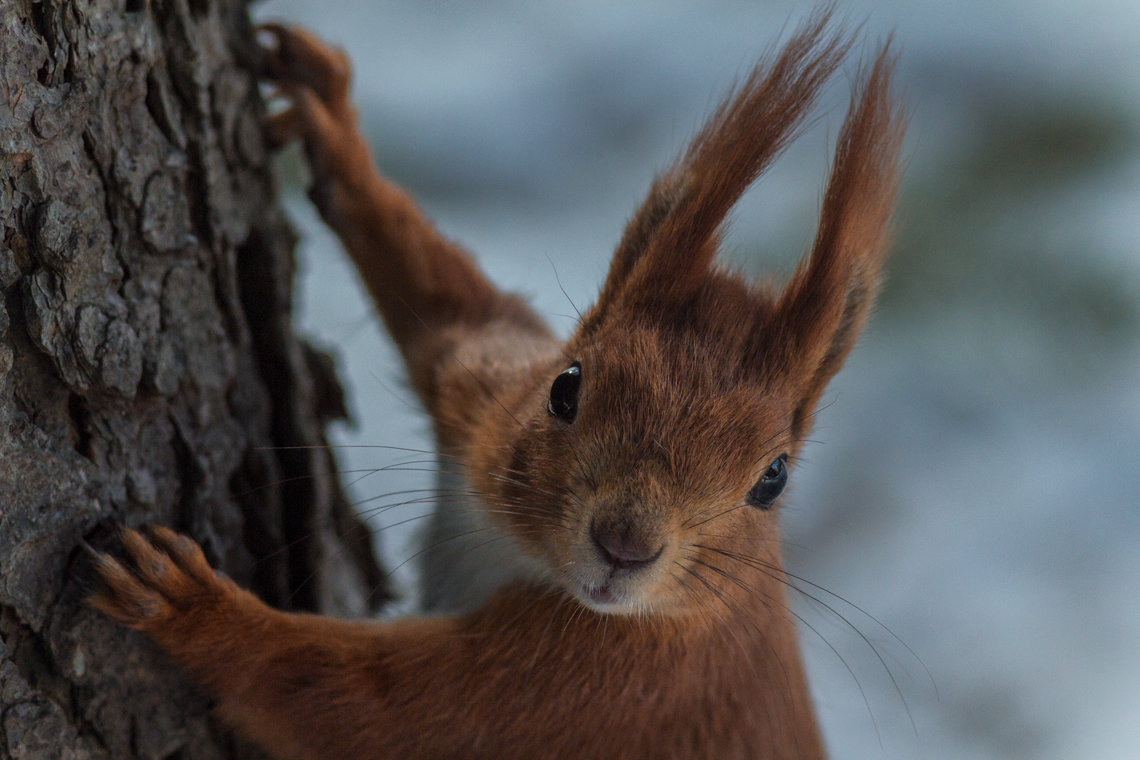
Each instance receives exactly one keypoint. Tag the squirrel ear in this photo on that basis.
(819, 315)
(669, 243)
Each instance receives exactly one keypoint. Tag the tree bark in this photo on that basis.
(148, 368)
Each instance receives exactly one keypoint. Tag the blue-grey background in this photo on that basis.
(975, 480)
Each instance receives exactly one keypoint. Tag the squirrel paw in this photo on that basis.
(295, 58)
(314, 77)
(163, 575)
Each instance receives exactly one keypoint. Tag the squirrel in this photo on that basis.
(633, 471)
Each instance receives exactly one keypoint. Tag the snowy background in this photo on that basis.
(976, 481)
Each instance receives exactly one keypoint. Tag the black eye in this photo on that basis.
(770, 484)
(563, 402)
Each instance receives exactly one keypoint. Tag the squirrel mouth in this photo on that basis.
(601, 595)
(606, 598)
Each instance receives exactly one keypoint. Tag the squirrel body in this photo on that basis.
(624, 597)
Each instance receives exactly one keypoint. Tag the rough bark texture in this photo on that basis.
(148, 368)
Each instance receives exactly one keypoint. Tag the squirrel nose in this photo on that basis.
(624, 551)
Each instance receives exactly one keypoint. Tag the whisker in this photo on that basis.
(774, 573)
(760, 564)
(558, 280)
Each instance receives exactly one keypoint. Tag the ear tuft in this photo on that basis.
(664, 255)
(823, 308)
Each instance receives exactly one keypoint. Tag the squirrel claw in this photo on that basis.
(296, 59)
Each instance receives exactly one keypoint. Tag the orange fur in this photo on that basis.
(693, 382)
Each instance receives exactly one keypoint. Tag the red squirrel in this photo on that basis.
(632, 473)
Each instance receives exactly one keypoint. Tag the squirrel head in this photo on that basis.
(650, 456)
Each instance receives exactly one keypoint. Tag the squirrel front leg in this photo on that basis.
(428, 290)
(301, 686)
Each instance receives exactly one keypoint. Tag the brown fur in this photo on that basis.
(693, 382)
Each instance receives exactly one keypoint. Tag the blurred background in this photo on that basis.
(975, 477)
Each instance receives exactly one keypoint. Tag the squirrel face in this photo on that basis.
(651, 447)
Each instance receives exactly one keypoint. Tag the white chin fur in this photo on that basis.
(614, 607)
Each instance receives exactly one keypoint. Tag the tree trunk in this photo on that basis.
(148, 368)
